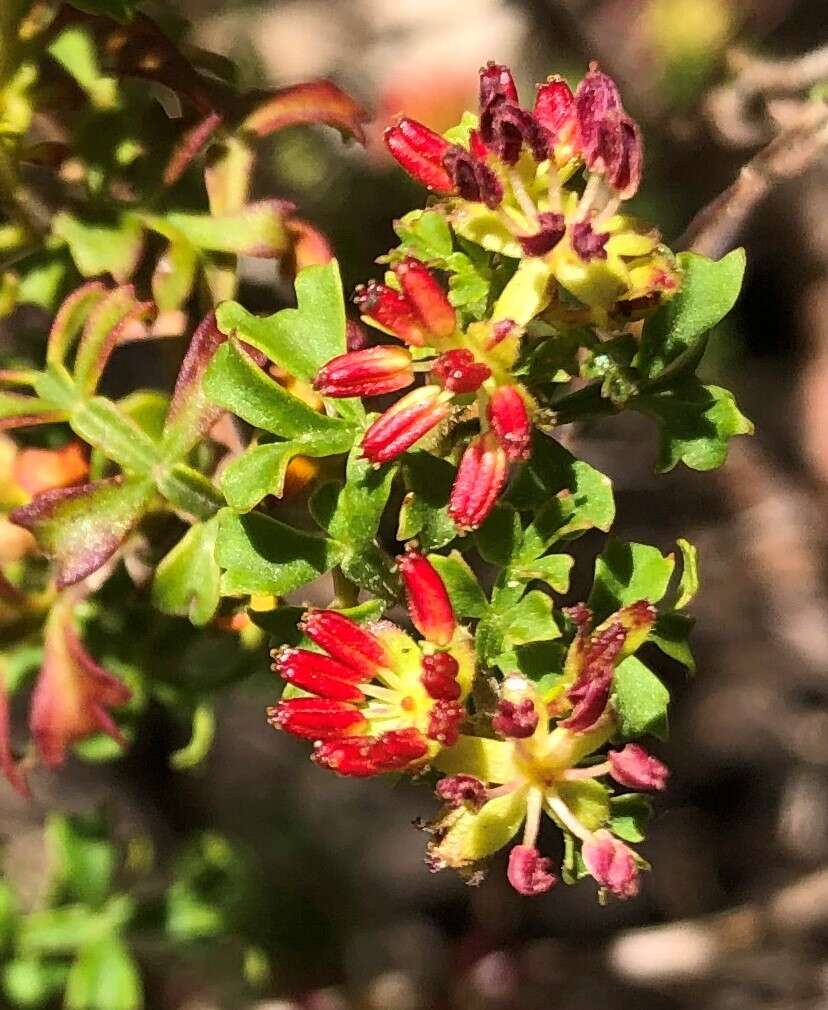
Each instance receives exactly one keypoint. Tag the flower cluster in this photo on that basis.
(511, 190)
(373, 699)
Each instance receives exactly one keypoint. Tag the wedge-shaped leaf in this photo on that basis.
(104, 246)
(192, 413)
(80, 528)
(303, 339)
(708, 292)
(629, 816)
(467, 597)
(426, 235)
(263, 555)
(187, 581)
(424, 509)
(530, 620)
(256, 230)
(696, 423)
(501, 535)
(261, 470)
(640, 701)
(310, 102)
(671, 634)
(627, 573)
(235, 382)
(104, 977)
(554, 570)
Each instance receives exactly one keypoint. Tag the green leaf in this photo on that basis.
(425, 234)
(629, 816)
(83, 859)
(101, 423)
(500, 536)
(70, 318)
(234, 381)
(81, 528)
(104, 977)
(261, 470)
(187, 581)
(101, 247)
(640, 701)
(29, 982)
(554, 570)
(75, 50)
(263, 555)
(709, 291)
(66, 929)
(188, 491)
(303, 339)
(627, 573)
(256, 230)
(174, 275)
(102, 332)
(551, 470)
(201, 739)
(467, 598)
(696, 424)
(424, 510)
(530, 620)
(588, 800)
(670, 634)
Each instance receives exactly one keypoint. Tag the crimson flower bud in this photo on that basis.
(551, 229)
(473, 179)
(480, 479)
(319, 674)
(361, 756)
(439, 676)
(496, 83)
(595, 97)
(420, 151)
(370, 372)
(611, 863)
(528, 871)
(404, 423)
(589, 244)
(346, 641)
(510, 420)
(462, 790)
(423, 291)
(635, 768)
(553, 105)
(516, 720)
(444, 720)
(393, 311)
(459, 372)
(428, 602)
(316, 718)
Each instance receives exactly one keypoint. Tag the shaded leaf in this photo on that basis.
(627, 573)
(464, 590)
(102, 247)
(640, 701)
(629, 816)
(187, 581)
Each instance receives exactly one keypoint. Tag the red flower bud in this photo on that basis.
(439, 676)
(551, 230)
(462, 790)
(420, 151)
(361, 756)
(612, 864)
(319, 674)
(528, 871)
(316, 718)
(428, 602)
(515, 720)
(459, 372)
(635, 768)
(444, 721)
(346, 641)
(595, 97)
(554, 105)
(371, 372)
(510, 420)
(496, 83)
(588, 244)
(406, 422)
(480, 479)
(393, 311)
(427, 296)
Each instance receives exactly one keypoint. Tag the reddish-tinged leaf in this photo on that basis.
(73, 695)
(8, 766)
(102, 332)
(70, 317)
(80, 528)
(310, 246)
(192, 143)
(191, 414)
(312, 102)
(20, 411)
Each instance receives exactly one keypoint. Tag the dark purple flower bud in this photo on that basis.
(595, 97)
(529, 872)
(635, 768)
(511, 127)
(496, 87)
(462, 790)
(473, 179)
(550, 232)
(624, 171)
(517, 720)
(587, 243)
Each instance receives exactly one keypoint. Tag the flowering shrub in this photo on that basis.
(522, 298)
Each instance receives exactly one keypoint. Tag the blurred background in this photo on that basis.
(330, 879)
